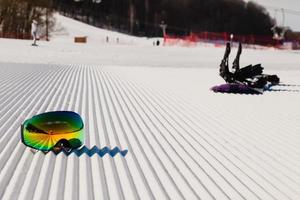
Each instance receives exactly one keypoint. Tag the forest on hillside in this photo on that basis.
(140, 17)
(143, 17)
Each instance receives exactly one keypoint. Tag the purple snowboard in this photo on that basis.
(235, 88)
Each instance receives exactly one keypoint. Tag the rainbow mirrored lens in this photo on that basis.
(44, 131)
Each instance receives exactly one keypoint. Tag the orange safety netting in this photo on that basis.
(219, 38)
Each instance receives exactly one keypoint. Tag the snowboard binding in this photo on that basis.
(251, 75)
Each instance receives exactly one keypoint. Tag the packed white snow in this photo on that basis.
(184, 141)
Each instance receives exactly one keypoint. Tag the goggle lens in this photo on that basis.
(45, 130)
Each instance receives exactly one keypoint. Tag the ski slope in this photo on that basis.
(183, 141)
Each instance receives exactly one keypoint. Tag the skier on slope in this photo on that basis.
(34, 32)
(250, 75)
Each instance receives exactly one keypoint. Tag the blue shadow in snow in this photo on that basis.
(282, 90)
(94, 150)
(289, 85)
(291, 88)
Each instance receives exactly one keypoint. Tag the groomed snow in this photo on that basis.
(184, 141)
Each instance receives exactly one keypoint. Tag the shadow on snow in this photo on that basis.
(94, 150)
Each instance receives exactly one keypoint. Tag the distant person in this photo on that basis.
(34, 32)
(157, 43)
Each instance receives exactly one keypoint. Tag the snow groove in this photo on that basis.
(159, 146)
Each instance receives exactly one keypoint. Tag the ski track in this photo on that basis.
(177, 149)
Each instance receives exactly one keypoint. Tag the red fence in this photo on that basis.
(220, 38)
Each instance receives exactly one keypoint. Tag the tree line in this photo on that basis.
(141, 17)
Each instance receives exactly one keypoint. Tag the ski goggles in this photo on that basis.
(45, 131)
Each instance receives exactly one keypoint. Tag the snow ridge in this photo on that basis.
(177, 150)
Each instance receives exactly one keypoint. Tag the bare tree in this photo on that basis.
(16, 17)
